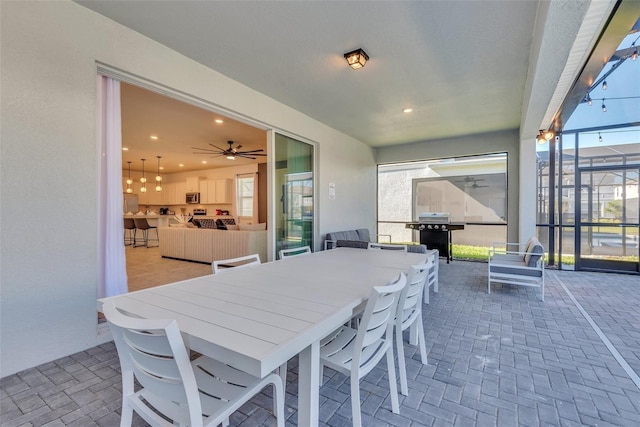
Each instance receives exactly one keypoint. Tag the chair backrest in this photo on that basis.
(410, 304)
(286, 253)
(387, 246)
(221, 265)
(377, 324)
(129, 224)
(141, 223)
(152, 351)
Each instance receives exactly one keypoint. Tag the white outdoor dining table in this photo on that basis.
(256, 318)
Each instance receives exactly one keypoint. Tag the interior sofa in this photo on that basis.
(208, 245)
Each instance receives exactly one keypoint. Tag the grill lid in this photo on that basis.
(434, 218)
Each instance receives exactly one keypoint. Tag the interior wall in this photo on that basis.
(48, 216)
(495, 142)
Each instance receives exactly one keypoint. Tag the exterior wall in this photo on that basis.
(497, 142)
(48, 215)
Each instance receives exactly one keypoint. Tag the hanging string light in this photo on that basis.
(158, 177)
(589, 100)
(599, 137)
(634, 55)
(604, 107)
(604, 85)
(129, 180)
(143, 180)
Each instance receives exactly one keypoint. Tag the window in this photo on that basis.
(246, 186)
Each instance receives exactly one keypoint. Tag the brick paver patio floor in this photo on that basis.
(505, 359)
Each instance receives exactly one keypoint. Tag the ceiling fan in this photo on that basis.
(475, 185)
(470, 179)
(230, 153)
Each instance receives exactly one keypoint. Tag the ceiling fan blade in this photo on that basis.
(221, 149)
(252, 151)
(245, 157)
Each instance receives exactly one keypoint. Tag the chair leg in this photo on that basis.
(402, 368)
(278, 402)
(421, 340)
(282, 371)
(126, 417)
(393, 387)
(355, 398)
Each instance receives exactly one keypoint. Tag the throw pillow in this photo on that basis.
(220, 225)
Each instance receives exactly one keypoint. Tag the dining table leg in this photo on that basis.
(309, 385)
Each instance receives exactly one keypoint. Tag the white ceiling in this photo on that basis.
(179, 127)
(461, 65)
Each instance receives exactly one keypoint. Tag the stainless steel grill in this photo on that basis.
(435, 231)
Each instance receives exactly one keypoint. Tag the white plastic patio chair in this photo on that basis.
(199, 393)
(286, 253)
(432, 277)
(387, 246)
(356, 352)
(221, 265)
(409, 315)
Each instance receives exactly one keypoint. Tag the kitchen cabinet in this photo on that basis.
(216, 191)
(193, 184)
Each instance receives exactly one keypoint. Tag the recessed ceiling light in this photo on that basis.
(407, 110)
(181, 165)
(161, 168)
(219, 121)
(125, 149)
(154, 137)
(204, 162)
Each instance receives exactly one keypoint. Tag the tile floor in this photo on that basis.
(504, 359)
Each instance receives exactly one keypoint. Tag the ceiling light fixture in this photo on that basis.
(129, 180)
(143, 180)
(158, 177)
(125, 149)
(219, 121)
(356, 59)
(154, 137)
(407, 110)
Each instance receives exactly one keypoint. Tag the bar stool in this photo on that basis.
(143, 225)
(129, 232)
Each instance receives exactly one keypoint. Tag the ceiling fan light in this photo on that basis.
(231, 157)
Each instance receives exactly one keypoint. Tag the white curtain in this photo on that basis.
(112, 273)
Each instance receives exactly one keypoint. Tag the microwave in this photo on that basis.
(193, 198)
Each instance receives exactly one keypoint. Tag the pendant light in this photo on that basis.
(143, 180)
(158, 177)
(129, 180)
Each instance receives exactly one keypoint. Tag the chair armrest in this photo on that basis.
(329, 244)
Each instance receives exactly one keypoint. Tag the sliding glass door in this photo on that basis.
(608, 218)
(294, 176)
